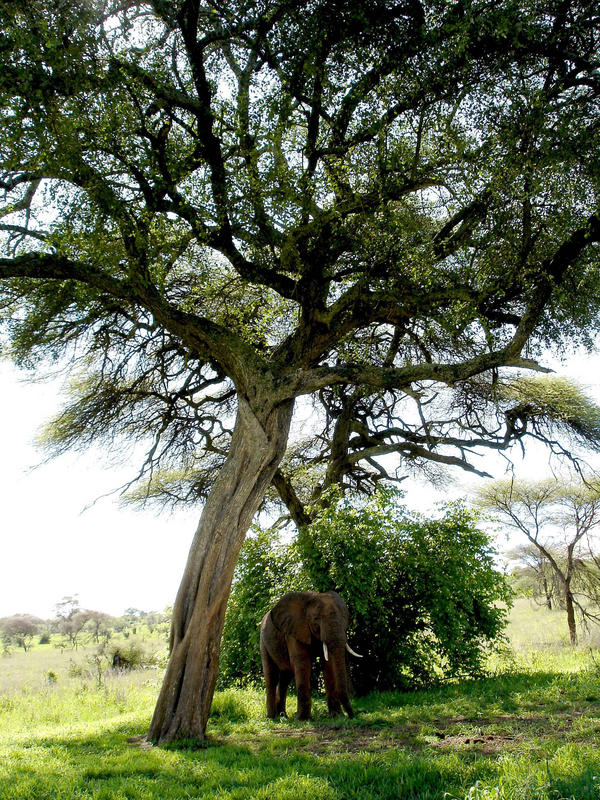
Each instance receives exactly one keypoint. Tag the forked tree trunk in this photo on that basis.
(258, 444)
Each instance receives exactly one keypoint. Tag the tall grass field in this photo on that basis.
(70, 730)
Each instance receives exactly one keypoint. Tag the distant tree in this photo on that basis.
(74, 626)
(70, 619)
(134, 613)
(66, 607)
(560, 520)
(132, 616)
(211, 209)
(71, 628)
(99, 625)
(533, 574)
(20, 630)
(164, 622)
(152, 620)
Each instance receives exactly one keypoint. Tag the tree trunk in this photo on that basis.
(548, 595)
(570, 615)
(257, 446)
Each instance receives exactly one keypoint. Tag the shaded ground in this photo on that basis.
(490, 735)
(548, 709)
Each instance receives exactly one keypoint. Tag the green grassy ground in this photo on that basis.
(533, 627)
(530, 730)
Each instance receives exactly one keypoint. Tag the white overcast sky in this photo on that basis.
(114, 558)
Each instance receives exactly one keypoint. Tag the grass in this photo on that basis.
(533, 627)
(530, 731)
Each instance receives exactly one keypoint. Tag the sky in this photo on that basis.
(110, 557)
(55, 541)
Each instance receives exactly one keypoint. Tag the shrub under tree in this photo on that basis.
(426, 601)
(266, 570)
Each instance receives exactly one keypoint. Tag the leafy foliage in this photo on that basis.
(425, 598)
(266, 570)
(259, 192)
(554, 405)
(19, 630)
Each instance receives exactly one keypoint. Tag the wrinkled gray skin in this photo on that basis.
(291, 636)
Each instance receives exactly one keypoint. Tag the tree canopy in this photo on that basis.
(212, 209)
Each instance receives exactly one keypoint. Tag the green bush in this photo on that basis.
(425, 599)
(266, 569)
(132, 655)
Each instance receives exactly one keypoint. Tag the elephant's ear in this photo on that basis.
(289, 616)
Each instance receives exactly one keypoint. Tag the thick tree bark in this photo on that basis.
(258, 444)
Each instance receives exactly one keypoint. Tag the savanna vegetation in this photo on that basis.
(209, 210)
(559, 520)
(479, 717)
(529, 730)
(74, 627)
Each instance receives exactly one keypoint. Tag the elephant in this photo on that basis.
(300, 627)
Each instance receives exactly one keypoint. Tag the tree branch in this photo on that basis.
(202, 336)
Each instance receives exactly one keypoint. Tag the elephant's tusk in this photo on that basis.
(325, 652)
(351, 651)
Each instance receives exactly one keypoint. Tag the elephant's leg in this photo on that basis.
(347, 706)
(302, 666)
(271, 673)
(285, 676)
(333, 701)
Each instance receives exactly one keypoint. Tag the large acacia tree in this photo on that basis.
(211, 209)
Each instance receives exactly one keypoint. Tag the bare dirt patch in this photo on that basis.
(488, 736)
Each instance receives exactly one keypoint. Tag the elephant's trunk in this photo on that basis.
(336, 678)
